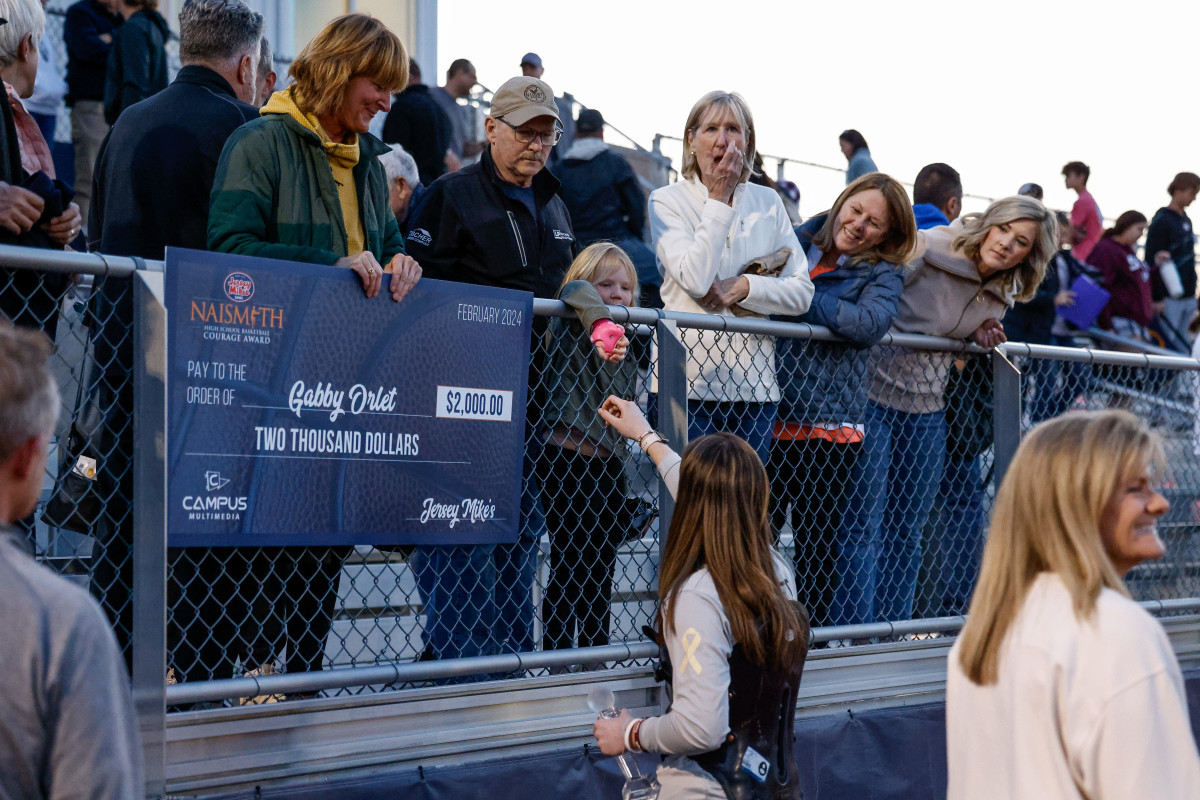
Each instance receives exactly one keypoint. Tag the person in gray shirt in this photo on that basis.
(67, 727)
(460, 79)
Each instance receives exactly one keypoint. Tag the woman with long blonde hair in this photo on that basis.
(962, 280)
(734, 638)
(1061, 686)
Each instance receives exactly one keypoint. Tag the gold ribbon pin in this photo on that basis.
(691, 642)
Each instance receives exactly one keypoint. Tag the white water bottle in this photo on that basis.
(1170, 278)
(637, 786)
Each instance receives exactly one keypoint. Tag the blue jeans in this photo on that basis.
(858, 545)
(479, 598)
(905, 454)
(754, 422)
(962, 538)
(1049, 397)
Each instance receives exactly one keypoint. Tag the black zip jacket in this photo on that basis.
(155, 170)
(467, 229)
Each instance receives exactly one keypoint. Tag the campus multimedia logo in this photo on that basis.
(212, 506)
(239, 287)
(214, 481)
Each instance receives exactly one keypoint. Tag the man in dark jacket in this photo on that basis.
(155, 170)
(88, 33)
(153, 180)
(420, 125)
(137, 62)
(498, 223)
(606, 201)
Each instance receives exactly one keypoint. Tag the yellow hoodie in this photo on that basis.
(342, 158)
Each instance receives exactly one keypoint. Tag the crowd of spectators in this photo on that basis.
(858, 439)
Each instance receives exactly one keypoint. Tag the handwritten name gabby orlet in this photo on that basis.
(323, 397)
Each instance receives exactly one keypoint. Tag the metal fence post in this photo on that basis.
(672, 407)
(1006, 418)
(149, 526)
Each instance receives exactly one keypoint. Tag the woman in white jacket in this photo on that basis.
(1060, 686)
(707, 229)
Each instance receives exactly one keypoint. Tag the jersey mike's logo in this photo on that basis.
(239, 287)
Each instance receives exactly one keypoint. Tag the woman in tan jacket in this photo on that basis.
(965, 276)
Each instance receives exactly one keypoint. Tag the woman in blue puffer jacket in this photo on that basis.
(855, 252)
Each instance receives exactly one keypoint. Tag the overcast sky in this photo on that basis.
(1005, 93)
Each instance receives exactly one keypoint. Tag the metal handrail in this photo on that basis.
(1087, 355)
(781, 160)
(419, 671)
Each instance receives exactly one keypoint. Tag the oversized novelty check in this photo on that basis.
(301, 412)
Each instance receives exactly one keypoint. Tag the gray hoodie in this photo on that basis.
(943, 296)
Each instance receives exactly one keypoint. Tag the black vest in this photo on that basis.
(762, 713)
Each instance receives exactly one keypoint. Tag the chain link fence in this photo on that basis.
(882, 515)
(1163, 392)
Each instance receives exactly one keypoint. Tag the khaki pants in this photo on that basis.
(88, 130)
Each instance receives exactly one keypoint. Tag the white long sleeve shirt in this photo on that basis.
(699, 240)
(1089, 708)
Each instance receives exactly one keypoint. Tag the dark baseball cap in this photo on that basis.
(589, 121)
(533, 59)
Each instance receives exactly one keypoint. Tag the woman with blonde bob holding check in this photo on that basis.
(1060, 686)
(733, 637)
(303, 182)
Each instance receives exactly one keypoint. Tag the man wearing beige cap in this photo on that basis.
(497, 223)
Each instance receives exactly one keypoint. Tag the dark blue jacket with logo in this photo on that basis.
(467, 229)
(825, 382)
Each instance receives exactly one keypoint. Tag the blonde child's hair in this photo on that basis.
(596, 258)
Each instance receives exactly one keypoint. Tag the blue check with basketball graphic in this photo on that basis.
(301, 412)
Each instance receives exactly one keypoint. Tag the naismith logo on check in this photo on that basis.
(239, 287)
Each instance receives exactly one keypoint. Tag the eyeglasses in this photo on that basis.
(526, 136)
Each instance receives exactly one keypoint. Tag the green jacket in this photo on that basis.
(274, 196)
